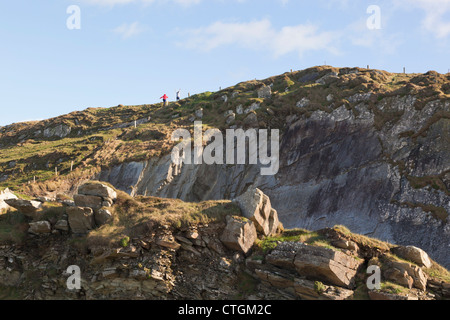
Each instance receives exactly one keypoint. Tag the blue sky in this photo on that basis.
(133, 51)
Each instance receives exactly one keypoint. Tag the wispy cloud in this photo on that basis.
(111, 3)
(434, 21)
(129, 30)
(259, 35)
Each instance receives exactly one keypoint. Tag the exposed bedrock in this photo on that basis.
(335, 168)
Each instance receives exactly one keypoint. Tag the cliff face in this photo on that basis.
(388, 181)
(364, 148)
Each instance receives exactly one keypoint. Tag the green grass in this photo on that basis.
(131, 215)
(393, 288)
(294, 235)
(13, 227)
(363, 240)
(319, 287)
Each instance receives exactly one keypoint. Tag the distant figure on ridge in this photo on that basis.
(178, 95)
(165, 97)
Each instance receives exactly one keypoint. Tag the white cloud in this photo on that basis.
(111, 3)
(128, 30)
(259, 35)
(435, 10)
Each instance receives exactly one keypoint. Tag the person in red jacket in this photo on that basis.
(165, 97)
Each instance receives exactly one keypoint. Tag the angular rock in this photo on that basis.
(265, 92)
(313, 76)
(335, 293)
(62, 225)
(239, 234)
(81, 220)
(27, 207)
(274, 222)
(345, 244)
(102, 217)
(254, 106)
(68, 203)
(399, 276)
(40, 227)
(227, 113)
(199, 113)
(328, 78)
(275, 279)
(93, 202)
(305, 289)
(97, 189)
(303, 103)
(415, 272)
(6, 195)
(59, 131)
(168, 244)
(107, 202)
(325, 264)
(283, 255)
(256, 206)
(413, 254)
(251, 120)
(230, 118)
(240, 109)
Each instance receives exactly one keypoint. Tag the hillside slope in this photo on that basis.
(363, 148)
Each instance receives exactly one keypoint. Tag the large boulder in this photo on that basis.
(93, 202)
(81, 220)
(6, 195)
(239, 234)
(102, 216)
(265, 92)
(27, 207)
(97, 189)
(413, 254)
(256, 206)
(40, 227)
(283, 255)
(393, 268)
(331, 266)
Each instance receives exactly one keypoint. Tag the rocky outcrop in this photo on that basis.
(325, 264)
(81, 220)
(90, 207)
(164, 261)
(97, 189)
(27, 207)
(93, 202)
(239, 234)
(256, 206)
(40, 227)
(322, 263)
(6, 195)
(413, 254)
(362, 165)
(59, 131)
(265, 92)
